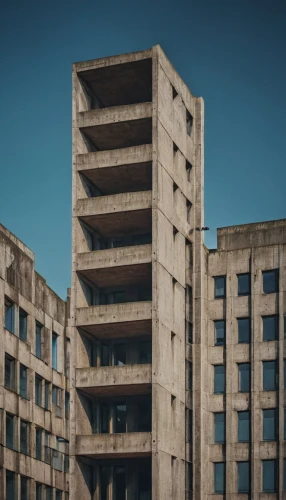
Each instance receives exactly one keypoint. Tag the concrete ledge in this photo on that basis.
(114, 313)
(131, 444)
(115, 203)
(114, 158)
(114, 257)
(104, 116)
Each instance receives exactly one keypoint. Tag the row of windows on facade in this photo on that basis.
(42, 387)
(270, 283)
(10, 322)
(24, 486)
(269, 478)
(270, 329)
(18, 439)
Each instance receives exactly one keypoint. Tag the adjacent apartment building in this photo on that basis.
(34, 384)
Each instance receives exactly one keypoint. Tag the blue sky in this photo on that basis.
(231, 52)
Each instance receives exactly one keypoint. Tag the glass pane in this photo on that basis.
(219, 469)
(23, 437)
(269, 375)
(243, 284)
(38, 391)
(243, 426)
(269, 421)
(9, 431)
(145, 483)
(243, 330)
(144, 415)
(120, 354)
(243, 477)
(39, 444)
(284, 474)
(244, 377)
(145, 352)
(219, 332)
(119, 483)
(39, 492)
(269, 476)
(120, 418)
(219, 286)
(9, 316)
(104, 476)
(55, 351)
(219, 428)
(105, 355)
(270, 327)
(48, 493)
(10, 485)
(219, 379)
(270, 281)
(24, 488)
(23, 325)
(47, 395)
(104, 418)
(23, 381)
(38, 339)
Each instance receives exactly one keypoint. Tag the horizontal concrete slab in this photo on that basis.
(115, 203)
(97, 117)
(133, 444)
(100, 160)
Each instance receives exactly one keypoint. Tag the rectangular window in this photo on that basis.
(284, 474)
(47, 448)
(219, 379)
(269, 375)
(39, 329)
(189, 376)
(219, 284)
(145, 353)
(24, 437)
(10, 377)
(243, 330)
(243, 426)
(243, 284)
(105, 355)
(39, 434)
(284, 424)
(269, 424)
(285, 327)
(54, 351)
(67, 404)
(219, 425)
(47, 395)
(10, 485)
(24, 488)
(120, 482)
(219, 332)
(244, 377)
(219, 478)
(243, 483)
(23, 325)
(10, 431)
(270, 281)
(120, 417)
(38, 390)
(49, 493)
(23, 381)
(9, 315)
(120, 354)
(284, 369)
(56, 399)
(189, 122)
(58, 495)
(269, 476)
(39, 491)
(270, 327)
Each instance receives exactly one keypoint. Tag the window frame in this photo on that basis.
(244, 294)
(265, 379)
(23, 393)
(239, 366)
(216, 329)
(239, 464)
(22, 421)
(11, 386)
(23, 314)
(217, 429)
(217, 490)
(239, 420)
(274, 289)
(223, 276)
(239, 322)
(55, 338)
(215, 368)
(274, 423)
(275, 317)
(9, 307)
(265, 476)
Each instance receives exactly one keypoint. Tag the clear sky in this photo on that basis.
(231, 52)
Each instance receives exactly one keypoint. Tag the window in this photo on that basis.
(243, 426)
(244, 377)
(9, 315)
(47, 395)
(219, 425)
(39, 491)
(47, 448)
(55, 351)
(105, 355)
(10, 485)
(67, 404)
(243, 483)
(189, 328)
(269, 476)
(120, 417)
(219, 283)
(39, 434)
(269, 425)
(23, 488)
(49, 493)
(285, 327)
(243, 330)
(219, 478)
(56, 399)
(284, 424)
(120, 483)
(104, 418)
(270, 281)
(145, 353)
(243, 284)
(58, 495)
(270, 327)
(23, 325)
(10, 372)
(284, 369)
(189, 376)
(189, 170)
(38, 390)
(39, 328)
(23, 381)
(284, 474)
(269, 375)
(189, 122)
(10, 431)
(219, 332)
(120, 354)
(24, 438)
(219, 379)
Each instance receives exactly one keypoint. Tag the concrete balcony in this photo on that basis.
(119, 214)
(133, 444)
(116, 266)
(120, 170)
(119, 126)
(130, 319)
(115, 380)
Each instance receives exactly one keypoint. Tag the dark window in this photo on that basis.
(189, 376)
(9, 372)
(269, 476)
(67, 404)
(243, 284)
(119, 483)
(284, 424)
(23, 325)
(47, 395)
(24, 381)
(56, 399)
(39, 434)
(104, 418)
(269, 425)
(49, 493)
(10, 485)
(39, 328)
(120, 354)
(120, 418)
(145, 484)
(144, 416)
(219, 379)
(10, 431)
(219, 423)
(105, 355)
(38, 390)
(9, 315)
(243, 426)
(269, 375)
(219, 477)
(243, 330)
(189, 122)
(244, 377)
(104, 481)
(24, 438)
(219, 332)
(58, 495)
(285, 327)
(23, 488)
(219, 284)
(145, 352)
(189, 170)
(189, 328)
(47, 448)
(270, 281)
(284, 474)
(284, 369)
(270, 327)
(243, 483)
(55, 351)
(39, 492)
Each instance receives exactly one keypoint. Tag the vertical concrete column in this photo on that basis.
(281, 389)
(229, 369)
(256, 381)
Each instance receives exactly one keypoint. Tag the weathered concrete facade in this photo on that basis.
(34, 397)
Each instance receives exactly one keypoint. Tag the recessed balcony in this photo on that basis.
(133, 444)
